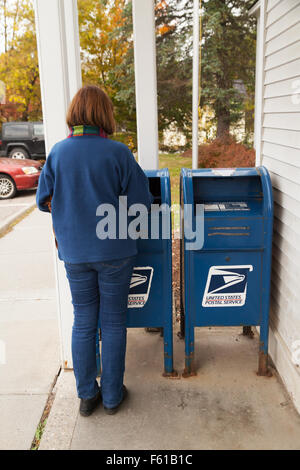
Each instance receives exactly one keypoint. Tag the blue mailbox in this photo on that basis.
(227, 281)
(150, 295)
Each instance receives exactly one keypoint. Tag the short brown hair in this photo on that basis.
(91, 106)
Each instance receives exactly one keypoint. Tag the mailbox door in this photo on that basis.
(229, 287)
(145, 301)
(150, 294)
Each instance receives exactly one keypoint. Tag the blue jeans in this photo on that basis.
(100, 289)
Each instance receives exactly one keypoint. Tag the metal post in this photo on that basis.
(195, 84)
(259, 9)
(145, 82)
(56, 67)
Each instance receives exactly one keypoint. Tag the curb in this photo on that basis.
(61, 422)
(10, 220)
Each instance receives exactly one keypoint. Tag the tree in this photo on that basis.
(174, 65)
(104, 45)
(106, 32)
(19, 62)
(228, 57)
(228, 52)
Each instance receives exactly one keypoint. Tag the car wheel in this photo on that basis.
(8, 187)
(18, 153)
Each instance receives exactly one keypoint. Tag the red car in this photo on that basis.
(18, 174)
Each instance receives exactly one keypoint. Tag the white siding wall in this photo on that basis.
(280, 153)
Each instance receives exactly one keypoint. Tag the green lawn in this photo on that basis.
(174, 163)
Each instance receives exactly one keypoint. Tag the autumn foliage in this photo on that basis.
(224, 153)
(19, 62)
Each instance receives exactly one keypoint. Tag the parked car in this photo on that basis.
(22, 140)
(16, 175)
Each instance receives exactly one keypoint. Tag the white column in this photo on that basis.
(195, 84)
(73, 46)
(145, 82)
(58, 76)
(53, 67)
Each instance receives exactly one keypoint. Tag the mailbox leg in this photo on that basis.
(189, 369)
(263, 351)
(181, 334)
(247, 331)
(168, 349)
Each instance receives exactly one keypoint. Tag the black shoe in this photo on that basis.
(87, 406)
(112, 411)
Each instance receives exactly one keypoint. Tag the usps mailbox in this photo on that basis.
(150, 295)
(227, 281)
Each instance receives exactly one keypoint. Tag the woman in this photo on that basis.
(82, 172)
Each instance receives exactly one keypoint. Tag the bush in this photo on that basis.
(224, 153)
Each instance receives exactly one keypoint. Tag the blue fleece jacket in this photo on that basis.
(80, 174)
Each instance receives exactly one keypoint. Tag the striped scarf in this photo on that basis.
(78, 131)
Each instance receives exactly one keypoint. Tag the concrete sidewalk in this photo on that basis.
(28, 329)
(226, 406)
